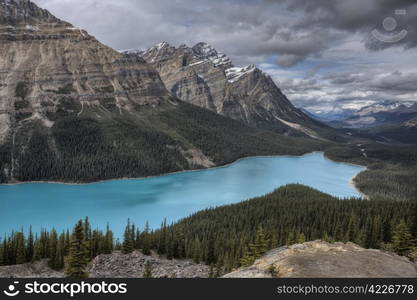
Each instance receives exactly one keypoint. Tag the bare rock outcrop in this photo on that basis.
(133, 265)
(38, 269)
(115, 265)
(322, 259)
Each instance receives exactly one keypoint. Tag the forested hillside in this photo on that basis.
(151, 141)
(231, 236)
(391, 170)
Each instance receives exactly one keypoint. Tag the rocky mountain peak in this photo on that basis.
(16, 11)
(205, 77)
(204, 50)
(199, 53)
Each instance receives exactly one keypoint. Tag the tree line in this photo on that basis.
(231, 236)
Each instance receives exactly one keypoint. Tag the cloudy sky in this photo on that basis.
(323, 54)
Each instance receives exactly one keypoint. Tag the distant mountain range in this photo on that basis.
(383, 113)
(387, 121)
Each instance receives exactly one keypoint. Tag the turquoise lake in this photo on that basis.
(172, 196)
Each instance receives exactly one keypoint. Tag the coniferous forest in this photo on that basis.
(231, 236)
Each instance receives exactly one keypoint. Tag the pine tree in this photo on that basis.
(413, 228)
(373, 233)
(20, 248)
(147, 272)
(128, 239)
(146, 245)
(402, 241)
(30, 246)
(87, 237)
(108, 248)
(291, 239)
(301, 238)
(138, 241)
(67, 243)
(53, 247)
(37, 250)
(162, 247)
(256, 249)
(352, 230)
(78, 254)
(59, 258)
(210, 251)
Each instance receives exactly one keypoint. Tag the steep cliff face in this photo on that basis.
(47, 65)
(73, 109)
(319, 259)
(202, 76)
(51, 72)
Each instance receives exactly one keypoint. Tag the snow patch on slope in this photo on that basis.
(235, 73)
(206, 51)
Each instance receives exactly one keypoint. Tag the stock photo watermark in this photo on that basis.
(62, 288)
(392, 34)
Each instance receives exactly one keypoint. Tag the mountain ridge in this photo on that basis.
(75, 110)
(207, 78)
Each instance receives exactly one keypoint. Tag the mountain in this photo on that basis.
(385, 122)
(73, 109)
(205, 77)
(377, 114)
(318, 259)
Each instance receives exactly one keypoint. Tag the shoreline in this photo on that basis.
(353, 184)
(153, 176)
(351, 181)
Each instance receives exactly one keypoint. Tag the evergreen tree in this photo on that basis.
(256, 249)
(402, 241)
(87, 237)
(53, 249)
(67, 243)
(352, 230)
(128, 239)
(20, 248)
(147, 272)
(78, 254)
(108, 241)
(162, 241)
(146, 244)
(59, 258)
(30, 246)
(138, 242)
(413, 228)
(37, 250)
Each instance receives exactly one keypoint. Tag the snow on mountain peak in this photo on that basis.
(204, 50)
(235, 73)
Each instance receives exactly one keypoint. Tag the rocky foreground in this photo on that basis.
(116, 265)
(322, 259)
(310, 259)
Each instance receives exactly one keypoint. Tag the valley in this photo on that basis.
(210, 163)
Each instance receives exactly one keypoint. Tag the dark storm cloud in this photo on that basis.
(361, 16)
(313, 35)
(248, 31)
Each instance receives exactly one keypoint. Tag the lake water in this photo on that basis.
(173, 196)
